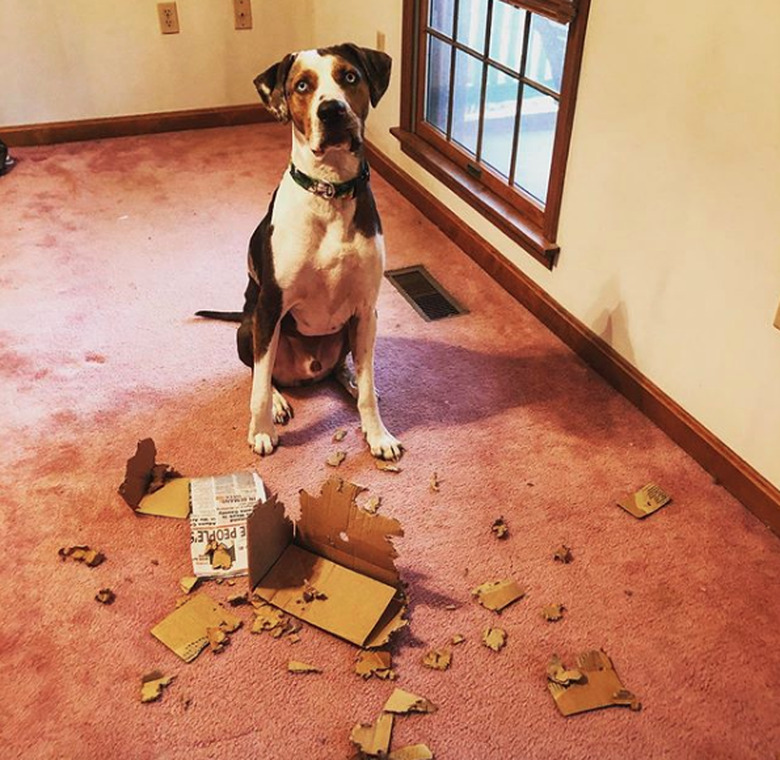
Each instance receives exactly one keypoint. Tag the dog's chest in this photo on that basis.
(327, 271)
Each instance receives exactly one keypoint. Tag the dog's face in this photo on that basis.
(326, 93)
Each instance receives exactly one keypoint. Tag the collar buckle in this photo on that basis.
(325, 189)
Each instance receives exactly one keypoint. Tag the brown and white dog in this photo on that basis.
(317, 258)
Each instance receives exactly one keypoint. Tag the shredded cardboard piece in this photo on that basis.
(553, 612)
(386, 466)
(186, 630)
(450, 607)
(411, 752)
(645, 501)
(458, 638)
(310, 593)
(189, 583)
(218, 639)
(340, 550)
(437, 659)
(401, 702)
(144, 477)
(336, 458)
(494, 638)
(237, 600)
(497, 595)
(82, 553)
(339, 435)
(372, 505)
(105, 596)
(563, 554)
(267, 617)
(377, 663)
(295, 666)
(152, 685)
(500, 528)
(220, 556)
(598, 685)
(435, 483)
(373, 739)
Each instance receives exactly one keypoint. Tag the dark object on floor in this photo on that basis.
(424, 294)
(6, 161)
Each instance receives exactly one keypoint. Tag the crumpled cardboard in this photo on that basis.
(82, 553)
(186, 630)
(594, 684)
(645, 501)
(342, 551)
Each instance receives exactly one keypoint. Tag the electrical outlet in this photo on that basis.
(169, 18)
(380, 41)
(242, 12)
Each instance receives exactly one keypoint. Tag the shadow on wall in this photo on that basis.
(611, 325)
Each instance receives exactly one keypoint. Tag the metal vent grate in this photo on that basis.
(429, 299)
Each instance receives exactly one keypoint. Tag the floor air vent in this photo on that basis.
(429, 299)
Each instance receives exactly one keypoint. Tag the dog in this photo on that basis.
(317, 258)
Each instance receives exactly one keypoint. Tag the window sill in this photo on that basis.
(496, 210)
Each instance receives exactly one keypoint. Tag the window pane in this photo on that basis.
(546, 49)
(506, 34)
(499, 127)
(438, 83)
(466, 99)
(534, 150)
(442, 12)
(472, 16)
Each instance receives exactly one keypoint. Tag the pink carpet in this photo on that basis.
(107, 250)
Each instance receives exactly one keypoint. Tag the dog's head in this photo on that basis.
(326, 93)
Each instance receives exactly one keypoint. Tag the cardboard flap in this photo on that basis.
(349, 605)
(333, 526)
(269, 533)
(172, 500)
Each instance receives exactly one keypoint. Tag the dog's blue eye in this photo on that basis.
(302, 86)
(350, 77)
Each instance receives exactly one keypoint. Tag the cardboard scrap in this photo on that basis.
(339, 435)
(645, 501)
(152, 685)
(218, 639)
(220, 555)
(435, 483)
(411, 752)
(310, 593)
(189, 583)
(386, 466)
(458, 638)
(437, 659)
(236, 600)
(82, 553)
(294, 666)
(594, 685)
(500, 528)
(375, 663)
(563, 554)
(144, 477)
(497, 595)
(267, 618)
(372, 504)
(373, 739)
(494, 638)
(401, 702)
(553, 612)
(105, 596)
(186, 630)
(338, 549)
(336, 458)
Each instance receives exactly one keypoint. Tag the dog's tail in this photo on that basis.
(223, 316)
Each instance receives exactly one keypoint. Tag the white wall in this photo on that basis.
(63, 60)
(670, 226)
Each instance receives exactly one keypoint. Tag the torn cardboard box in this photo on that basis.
(593, 685)
(154, 489)
(645, 501)
(340, 550)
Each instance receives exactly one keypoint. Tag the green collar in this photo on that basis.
(331, 190)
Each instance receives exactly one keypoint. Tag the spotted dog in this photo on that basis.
(316, 259)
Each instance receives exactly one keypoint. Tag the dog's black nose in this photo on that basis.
(331, 111)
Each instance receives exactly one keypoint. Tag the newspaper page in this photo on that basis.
(220, 506)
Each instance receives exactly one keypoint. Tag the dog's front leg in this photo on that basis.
(262, 431)
(362, 339)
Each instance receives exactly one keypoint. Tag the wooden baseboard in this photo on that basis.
(730, 470)
(124, 126)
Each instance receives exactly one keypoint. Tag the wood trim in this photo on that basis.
(141, 124)
(731, 471)
(498, 211)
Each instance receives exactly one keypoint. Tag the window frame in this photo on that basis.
(520, 216)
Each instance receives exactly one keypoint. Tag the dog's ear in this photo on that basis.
(271, 86)
(376, 66)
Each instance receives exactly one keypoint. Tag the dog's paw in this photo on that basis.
(264, 444)
(385, 446)
(283, 412)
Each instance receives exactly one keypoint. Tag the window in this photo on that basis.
(487, 105)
